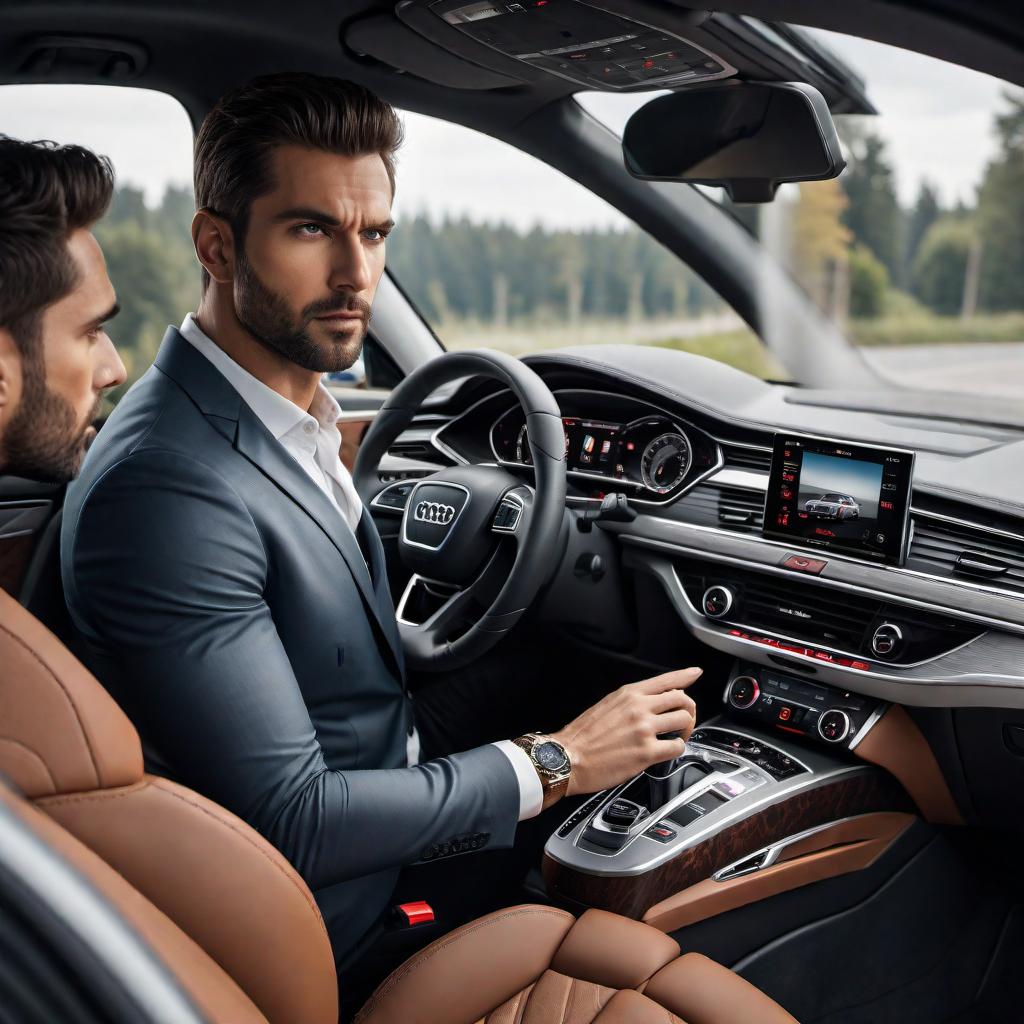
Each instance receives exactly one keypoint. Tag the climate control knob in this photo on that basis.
(886, 640)
(743, 692)
(834, 726)
(717, 601)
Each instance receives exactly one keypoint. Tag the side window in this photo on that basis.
(498, 249)
(145, 237)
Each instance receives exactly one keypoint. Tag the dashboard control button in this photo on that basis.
(662, 832)
(800, 563)
(717, 601)
(887, 640)
(743, 692)
(834, 726)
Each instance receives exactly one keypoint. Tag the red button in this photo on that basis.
(417, 912)
(801, 563)
(785, 714)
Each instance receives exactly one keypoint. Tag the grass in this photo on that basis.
(928, 329)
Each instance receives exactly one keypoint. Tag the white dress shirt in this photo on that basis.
(313, 439)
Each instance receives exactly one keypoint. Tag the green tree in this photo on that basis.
(1001, 214)
(873, 213)
(926, 211)
(941, 264)
(869, 283)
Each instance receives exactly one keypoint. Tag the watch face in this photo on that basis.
(550, 756)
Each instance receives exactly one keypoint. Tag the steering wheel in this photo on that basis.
(478, 540)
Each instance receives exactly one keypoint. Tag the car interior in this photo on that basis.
(843, 556)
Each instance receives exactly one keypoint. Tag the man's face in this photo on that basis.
(51, 397)
(313, 256)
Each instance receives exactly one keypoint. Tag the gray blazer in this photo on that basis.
(227, 606)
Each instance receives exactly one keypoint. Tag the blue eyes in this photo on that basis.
(316, 230)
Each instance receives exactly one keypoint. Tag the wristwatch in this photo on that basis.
(552, 762)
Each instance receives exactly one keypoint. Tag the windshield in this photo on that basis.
(916, 251)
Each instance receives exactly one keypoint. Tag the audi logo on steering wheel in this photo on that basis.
(434, 512)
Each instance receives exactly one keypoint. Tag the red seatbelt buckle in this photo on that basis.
(410, 915)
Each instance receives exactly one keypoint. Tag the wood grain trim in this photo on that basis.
(846, 796)
(836, 850)
(896, 744)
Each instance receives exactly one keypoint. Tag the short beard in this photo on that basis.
(44, 441)
(265, 315)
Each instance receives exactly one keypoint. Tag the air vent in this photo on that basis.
(730, 508)
(758, 460)
(826, 617)
(839, 619)
(964, 551)
(412, 450)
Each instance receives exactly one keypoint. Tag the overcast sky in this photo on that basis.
(935, 117)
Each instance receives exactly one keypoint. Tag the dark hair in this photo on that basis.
(232, 165)
(46, 192)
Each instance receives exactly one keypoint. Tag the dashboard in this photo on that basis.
(899, 573)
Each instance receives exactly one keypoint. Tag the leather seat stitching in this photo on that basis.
(24, 746)
(431, 951)
(128, 790)
(63, 689)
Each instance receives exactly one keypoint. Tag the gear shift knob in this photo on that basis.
(663, 769)
(668, 779)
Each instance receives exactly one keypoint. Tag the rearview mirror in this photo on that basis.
(747, 137)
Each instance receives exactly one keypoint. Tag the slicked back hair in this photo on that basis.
(46, 193)
(234, 145)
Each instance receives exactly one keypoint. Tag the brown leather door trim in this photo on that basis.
(896, 744)
(838, 849)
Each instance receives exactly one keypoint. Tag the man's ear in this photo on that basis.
(215, 245)
(10, 374)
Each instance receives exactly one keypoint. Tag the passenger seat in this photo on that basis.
(239, 929)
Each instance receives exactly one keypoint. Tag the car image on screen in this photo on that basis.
(833, 506)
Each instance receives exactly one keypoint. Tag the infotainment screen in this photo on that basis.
(851, 498)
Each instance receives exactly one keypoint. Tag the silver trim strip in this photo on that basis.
(415, 579)
(772, 853)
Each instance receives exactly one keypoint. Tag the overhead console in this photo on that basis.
(575, 41)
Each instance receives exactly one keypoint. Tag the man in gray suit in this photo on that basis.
(217, 559)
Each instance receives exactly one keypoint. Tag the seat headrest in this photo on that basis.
(60, 731)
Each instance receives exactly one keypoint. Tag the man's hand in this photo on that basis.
(617, 738)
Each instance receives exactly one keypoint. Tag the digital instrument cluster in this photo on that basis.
(651, 452)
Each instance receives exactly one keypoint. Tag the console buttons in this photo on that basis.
(717, 601)
(730, 788)
(834, 726)
(743, 692)
(662, 832)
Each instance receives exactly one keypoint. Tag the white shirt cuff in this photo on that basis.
(531, 792)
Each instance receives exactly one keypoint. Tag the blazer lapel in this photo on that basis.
(371, 544)
(219, 401)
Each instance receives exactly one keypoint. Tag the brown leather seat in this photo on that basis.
(240, 929)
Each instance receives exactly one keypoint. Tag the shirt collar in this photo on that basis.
(278, 414)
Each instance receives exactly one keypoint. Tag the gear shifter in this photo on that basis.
(668, 779)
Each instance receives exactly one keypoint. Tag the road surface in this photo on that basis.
(976, 368)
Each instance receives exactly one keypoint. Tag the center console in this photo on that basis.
(774, 773)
